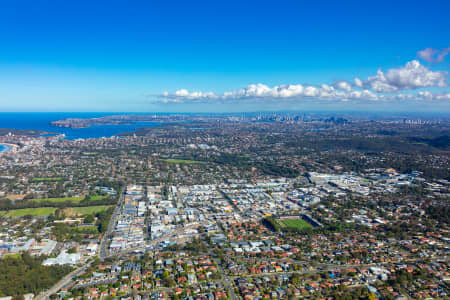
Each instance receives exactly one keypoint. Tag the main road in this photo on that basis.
(103, 253)
(225, 277)
(64, 282)
(173, 235)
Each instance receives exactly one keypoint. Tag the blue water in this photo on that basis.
(4, 148)
(41, 121)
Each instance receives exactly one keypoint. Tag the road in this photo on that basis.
(65, 281)
(155, 242)
(103, 253)
(324, 267)
(226, 279)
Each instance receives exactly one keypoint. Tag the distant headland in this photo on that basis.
(116, 120)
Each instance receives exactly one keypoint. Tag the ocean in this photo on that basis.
(4, 148)
(41, 121)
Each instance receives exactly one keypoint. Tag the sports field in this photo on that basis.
(43, 179)
(296, 223)
(71, 199)
(184, 161)
(57, 200)
(39, 211)
(97, 197)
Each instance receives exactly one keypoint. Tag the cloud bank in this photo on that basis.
(383, 86)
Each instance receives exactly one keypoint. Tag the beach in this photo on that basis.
(5, 147)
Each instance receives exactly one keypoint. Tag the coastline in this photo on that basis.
(9, 147)
(37, 124)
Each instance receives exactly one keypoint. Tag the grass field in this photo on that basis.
(97, 197)
(55, 200)
(296, 223)
(40, 211)
(85, 210)
(85, 229)
(184, 161)
(12, 255)
(71, 199)
(47, 179)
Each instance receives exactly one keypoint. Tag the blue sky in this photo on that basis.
(136, 55)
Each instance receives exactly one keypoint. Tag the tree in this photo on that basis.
(89, 219)
(165, 274)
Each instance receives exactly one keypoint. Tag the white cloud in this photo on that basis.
(426, 95)
(281, 92)
(363, 95)
(183, 94)
(412, 76)
(261, 92)
(423, 95)
(433, 55)
(311, 91)
(404, 97)
(442, 97)
(344, 85)
(358, 83)
(384, 86)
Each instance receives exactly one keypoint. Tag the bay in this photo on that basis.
(5, 148)
(41, 121)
